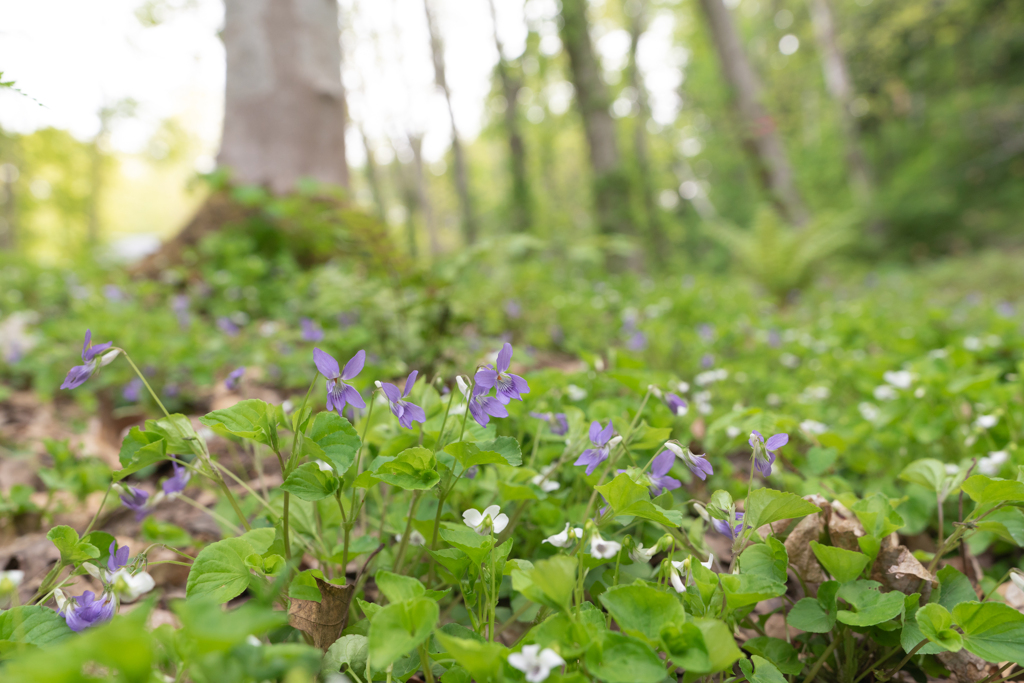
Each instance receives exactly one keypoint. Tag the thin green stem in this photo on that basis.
(96, 516)
(295, 434)
(144, 382)
(493, 602)
(397, 565)
(821, 660)
(889, 674)
(876, 664)
(284, 525)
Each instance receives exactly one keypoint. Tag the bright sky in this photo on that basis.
(74, 57)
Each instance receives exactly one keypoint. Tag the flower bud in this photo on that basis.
(1018, 578)
(463, 387)
(614, 441)
(109, 357)
(654, 390)
(675, 448)
(59, 598)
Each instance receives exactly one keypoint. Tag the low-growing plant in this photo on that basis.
(422, 539)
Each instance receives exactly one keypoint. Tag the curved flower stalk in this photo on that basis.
(599, 437)
(491, 519)
(536, 664)
(91, 361)
(698, 464)
(764, 451)
(405, 411)
(338, 392)
(507, 386)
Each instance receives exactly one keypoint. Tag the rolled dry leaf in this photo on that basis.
(896, 568)
(844, 528)
(798, 543)
(967, 667)
(322, 621)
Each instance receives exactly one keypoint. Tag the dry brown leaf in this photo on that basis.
(323, 621)
(798, 546)
(844, 528)
(967, 667)
(896, 568)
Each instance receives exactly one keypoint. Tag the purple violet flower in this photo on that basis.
(180, 305)
(592, 457)
(85, 610)
(513, 309)
(177, 482)
(227, 326)
(764, 451)
(232, 380)
(132, 391)
(723, 527)
(557, 422)
(507, 386)
(660, 467)
(637, 341)
(339, 393)
(136, 499)
(472, 472)
(90, 355)
(118, 557)
(677, 405)
(406, 412)
(707, 361)
(483, 407)
(311, 330)
(698, 463)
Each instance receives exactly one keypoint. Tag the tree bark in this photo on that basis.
(373, 177)
(8, 228)
(757, 128)
(469, 224)
(284, 106)
(521, 204)
(657, 241)
(840, 87)
(611, 183)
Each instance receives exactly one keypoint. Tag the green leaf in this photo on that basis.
(309, 482)
(211, 628)
(878, 516)
(477, 547)
(769, 560)
(843, 565)
(927, 472)
(702, 646)
(954, 588)
(179, 433)
(934, 621)
(399, 628)
(336, 438)
(985, 490)
(765, 506)
(1007, 523)
(135, 440)
(33, 625)
(219, 572)
(482, 660)
(506, 447)
(642, 609)
(992, 630)
(780, 653)
(763, 671)
(550, 582)
(348, 652)
(144, 457)
(816, 615)
(626, 497)
(742, 590)
(397, 588)
(619, 658)
(820, 459)
(259, 540)
(412, 469)
(251, 419)
(870, 606)
(72, 550)
(469, 454)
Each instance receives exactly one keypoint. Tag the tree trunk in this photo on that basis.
(840, 87)
(284, 107)
(8, 229)
(469, 226)
(373, 178)
(611, 184)
(757, 128)
(657, 241)
(521, 204)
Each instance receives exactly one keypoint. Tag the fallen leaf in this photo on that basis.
(896, 568)
(966, 666)
(798, 543)
(844, 528)
(322, 621)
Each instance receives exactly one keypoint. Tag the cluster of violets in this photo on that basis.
(120, 584)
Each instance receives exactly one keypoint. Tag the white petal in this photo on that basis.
(500, 522)
(711, 560)
(675, 448)
(324, 467)
(59, 598)
(472, 517)
(550, 658)
(136, 586)
(492, 511)
(93, 570)
(15, 576)
(517, 661)
(677, 582)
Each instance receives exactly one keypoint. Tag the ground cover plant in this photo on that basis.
(616, 522)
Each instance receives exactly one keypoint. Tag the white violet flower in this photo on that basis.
(602, 549)
(901, 379)
(566, 538)
(415, 538)
(130, 588)
(986, 421)
(492, 518)
(535, 663)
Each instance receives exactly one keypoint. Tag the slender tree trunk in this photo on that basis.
(840, 87)
(8, 229)
(611, 183)
(469, 225)
(521, 198)
(657, 241)
(373, 177)
(757, 128)
(422, 196)
(284, 106)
